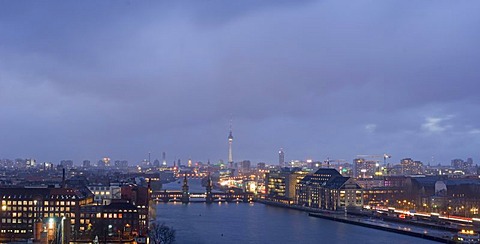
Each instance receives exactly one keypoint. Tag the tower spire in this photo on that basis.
(230, 141)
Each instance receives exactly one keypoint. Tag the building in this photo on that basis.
(261, 166)
(441, 194)
(67, 164)
(86, 164)
(364, 169)
(27, 211)
(104, 194)
(281, 158)
(245, 167)
(105, 162)
(30, 163)
(328, 189)
(464, 166)
(156, 163)
(280, 185)
(411, 167)
(117, 220)
(164, 159)
(121, 164)
(139, 196)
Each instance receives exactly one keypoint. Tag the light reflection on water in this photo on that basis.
(257, 223)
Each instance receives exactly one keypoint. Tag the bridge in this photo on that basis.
(185, 196)
(176, 196)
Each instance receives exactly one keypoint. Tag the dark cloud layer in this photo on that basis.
(321, 79)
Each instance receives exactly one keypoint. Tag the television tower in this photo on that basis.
(230, 141)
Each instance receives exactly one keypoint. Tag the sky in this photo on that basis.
(320, 79)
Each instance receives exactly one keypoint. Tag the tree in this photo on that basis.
(161, 234)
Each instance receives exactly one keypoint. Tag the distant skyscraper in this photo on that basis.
(230, 153)
(67, 164)
(86, 163)
(164, 159)
(281, 158)
(121, 163)
(30, 163)
(105, 162)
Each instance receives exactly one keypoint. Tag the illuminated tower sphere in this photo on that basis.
(230, 154)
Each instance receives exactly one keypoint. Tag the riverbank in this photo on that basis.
(399, 228)
(373, 225)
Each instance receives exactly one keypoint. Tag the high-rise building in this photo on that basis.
(411, 167)
(465, 166)
(86, 163)
(230, 153)
(189, 164)
(363, 168)
(164, 159)
(281, 158)
(121, 163)
(280, 185)
(105, 162)
(67, 164)
(30, 163)
(245, 166)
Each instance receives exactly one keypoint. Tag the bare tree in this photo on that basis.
(161, 234)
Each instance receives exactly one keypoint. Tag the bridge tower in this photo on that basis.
(209, 197)
(185, 193)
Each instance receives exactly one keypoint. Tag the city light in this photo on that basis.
(51, 223)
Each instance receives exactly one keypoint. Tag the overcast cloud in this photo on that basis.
(88, 79)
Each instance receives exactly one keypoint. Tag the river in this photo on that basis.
(258, 223)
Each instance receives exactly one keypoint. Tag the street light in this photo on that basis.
(107, 231)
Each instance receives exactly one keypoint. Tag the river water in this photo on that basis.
(258, 223)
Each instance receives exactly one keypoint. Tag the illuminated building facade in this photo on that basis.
(411, 167)
(33, 212)
(24, 210)
(280, 186)
(139, 196)
(118, 220)
(105, 193)
(328, 189)
(363, 168)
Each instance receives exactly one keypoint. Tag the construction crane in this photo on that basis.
(338, 161)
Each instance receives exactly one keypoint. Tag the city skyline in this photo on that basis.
(319, 79)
